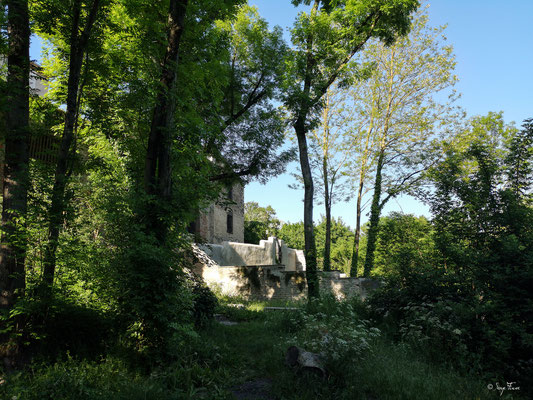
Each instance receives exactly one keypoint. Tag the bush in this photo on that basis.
(82, 380)
(58, 325)
(155, 303)
(445, 320)
(205, 303)
(334, 330)
(110, 379)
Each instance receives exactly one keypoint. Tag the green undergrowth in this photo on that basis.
(240, 309)
(362, 363)
(258, 305)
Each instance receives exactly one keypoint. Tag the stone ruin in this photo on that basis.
(270, 270)
(273, 251)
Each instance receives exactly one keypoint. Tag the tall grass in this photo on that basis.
(223, 357)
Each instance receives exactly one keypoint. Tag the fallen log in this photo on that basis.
(297, 357)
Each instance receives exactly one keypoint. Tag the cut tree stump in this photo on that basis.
(305, 360)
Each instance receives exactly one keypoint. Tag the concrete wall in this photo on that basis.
(268, 252)
(275, 282)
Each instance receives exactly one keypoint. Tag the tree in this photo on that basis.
(340, 240)
(397, 104)
(325, 41)
(251, 129)
(328, 160)
(404, 245)
(362, 137)
(259, 222)
(220, 45)
(225, 126)
(341, 237)
(78, 43)
(293, 235)
(15, 177)
(519, 161)
(465, 198)
(157, 167)
(484, 238)
(3, 73)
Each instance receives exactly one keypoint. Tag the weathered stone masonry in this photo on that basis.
(268, 270)
(269, 282)
(222, 220)
(251, 271)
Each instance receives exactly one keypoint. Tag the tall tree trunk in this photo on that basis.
(300, 127)
(15, 178)
(358, 207)
(309, 234)
(377, 205)
(327, 196)
(157, 172)
(78, 47)
(357, 237)
(327, 204)
(375, 212)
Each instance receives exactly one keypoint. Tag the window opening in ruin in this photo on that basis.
(229, 223)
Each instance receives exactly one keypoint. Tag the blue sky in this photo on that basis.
(493, 43)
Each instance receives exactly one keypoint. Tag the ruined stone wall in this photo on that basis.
(274, 282)
(268, 252)
(213, 222)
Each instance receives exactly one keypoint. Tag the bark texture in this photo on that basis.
(300, 129)
(15, 178)
(375, 212)
(327, 203)
(157, 171)
(78, 48)
(357, 237)
(359, 205)
(309, 234)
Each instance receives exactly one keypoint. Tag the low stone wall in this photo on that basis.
(268, 252)
(268, 282)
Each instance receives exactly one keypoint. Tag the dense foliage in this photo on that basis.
(154, 109)
(105, 230)
(259, 222)
(469, 297)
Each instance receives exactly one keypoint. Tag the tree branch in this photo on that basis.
(398, 188)
(345, 61)
(84, 38)
(253, 99)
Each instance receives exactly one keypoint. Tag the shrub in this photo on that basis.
(334, 330)
(154, 300)
(205, 303)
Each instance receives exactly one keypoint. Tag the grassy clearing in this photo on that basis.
(258, 305)
(225, 356)
(256, 349)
